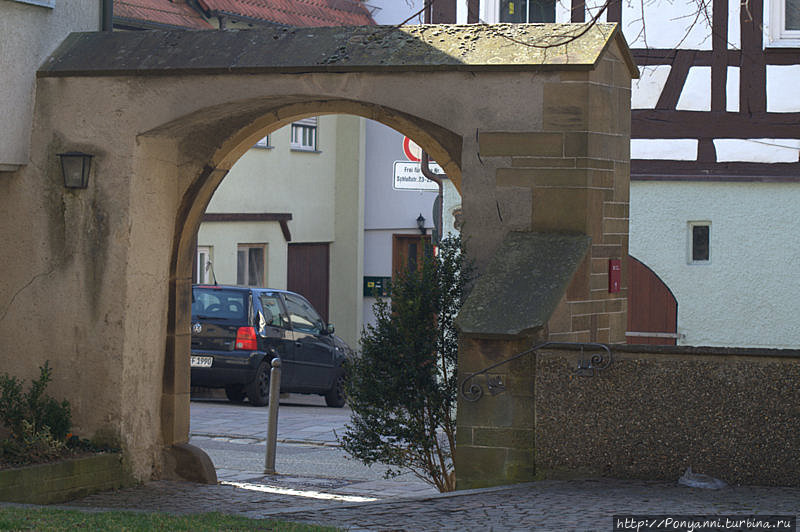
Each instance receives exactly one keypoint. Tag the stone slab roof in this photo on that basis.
(523, 284)
(306, 13)
(471, 47)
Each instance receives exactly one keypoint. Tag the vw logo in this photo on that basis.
(197, 328)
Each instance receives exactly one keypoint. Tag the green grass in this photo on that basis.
(13, 518)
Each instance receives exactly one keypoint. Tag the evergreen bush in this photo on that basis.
(402, 389)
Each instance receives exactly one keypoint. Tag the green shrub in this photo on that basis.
(38, 423)
(402, 389)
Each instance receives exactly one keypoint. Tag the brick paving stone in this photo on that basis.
(546, 505)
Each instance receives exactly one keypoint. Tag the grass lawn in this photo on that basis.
(13, 518)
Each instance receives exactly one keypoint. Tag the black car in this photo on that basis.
(237, 331)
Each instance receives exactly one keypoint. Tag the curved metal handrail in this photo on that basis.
(596, 362)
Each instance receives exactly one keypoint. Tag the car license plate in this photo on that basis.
(201, 362)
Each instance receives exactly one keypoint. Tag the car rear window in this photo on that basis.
(219, 303)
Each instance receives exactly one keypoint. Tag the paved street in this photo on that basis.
(318, 484)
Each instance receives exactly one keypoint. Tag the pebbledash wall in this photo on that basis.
(728, 413)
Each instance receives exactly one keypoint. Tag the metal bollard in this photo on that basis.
(272, 423)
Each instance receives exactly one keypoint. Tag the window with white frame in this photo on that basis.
(784, 22)
(204, 273)
(251, 265)
(527, 11)
(699, 251)
(263, 143)
(304, 134)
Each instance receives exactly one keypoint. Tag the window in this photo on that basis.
(250, 262)
(269, 303)
(527, 11)
(699, 242)
(263, 143)
(304, 135)
(784, 22)
(205, 270)
(303, 317)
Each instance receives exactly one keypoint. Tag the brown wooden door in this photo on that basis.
(652, 309)
(308, 274)
(408, 250)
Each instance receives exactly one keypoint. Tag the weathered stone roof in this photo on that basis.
(523, 284)
(337, 49)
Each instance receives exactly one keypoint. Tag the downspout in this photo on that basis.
(426, 171)
(107, 16)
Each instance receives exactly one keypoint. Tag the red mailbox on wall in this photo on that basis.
(614, 275)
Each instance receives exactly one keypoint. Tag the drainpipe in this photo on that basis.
(426, 171)
(107, 20)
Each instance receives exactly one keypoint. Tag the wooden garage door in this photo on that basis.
(308, 274)
(652, 309)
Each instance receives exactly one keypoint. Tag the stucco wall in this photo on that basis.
(746, 294)
(30, 33)
(223, 238)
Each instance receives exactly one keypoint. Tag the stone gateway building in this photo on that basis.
(532, 125)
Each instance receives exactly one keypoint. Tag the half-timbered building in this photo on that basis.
(715, 177)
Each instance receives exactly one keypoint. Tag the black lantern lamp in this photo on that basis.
(75, 168)
(421, 223)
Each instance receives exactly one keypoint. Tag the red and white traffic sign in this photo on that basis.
(412, 150)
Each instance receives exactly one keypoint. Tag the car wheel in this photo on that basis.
(258, 390)
(235, 393)
(335, 396)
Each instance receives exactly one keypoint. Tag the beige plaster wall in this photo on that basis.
(30, 33)
(113, 262)
(223, 238)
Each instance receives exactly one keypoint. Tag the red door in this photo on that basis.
(308, 274)
(652, 309)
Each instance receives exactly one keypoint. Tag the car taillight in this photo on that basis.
(246, 338)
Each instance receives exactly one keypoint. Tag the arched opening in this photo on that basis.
(231, 134)
(652, 307)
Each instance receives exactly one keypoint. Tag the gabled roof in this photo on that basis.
(158, 14)
(302, 13)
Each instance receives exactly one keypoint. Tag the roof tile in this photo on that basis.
(297, 12)
(177, 14)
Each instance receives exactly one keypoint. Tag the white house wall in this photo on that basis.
(747, 294)
(224, 237)
(282, 180)
(30, 33)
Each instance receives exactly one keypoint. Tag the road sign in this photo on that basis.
(412, 150)
(408, 176)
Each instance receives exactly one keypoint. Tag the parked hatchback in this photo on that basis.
(237, 331)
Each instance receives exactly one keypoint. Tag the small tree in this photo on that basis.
(402, 390)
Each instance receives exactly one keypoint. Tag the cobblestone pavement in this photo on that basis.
(333, 493)
(546, 505)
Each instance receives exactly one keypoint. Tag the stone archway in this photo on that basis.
(537, 139)
(197, 195)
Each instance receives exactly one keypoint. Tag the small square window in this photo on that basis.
(527, 11)
(699, 242)
(784, 22)
(304, 135)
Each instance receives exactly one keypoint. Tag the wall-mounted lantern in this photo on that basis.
(75, 168)
(421, 223)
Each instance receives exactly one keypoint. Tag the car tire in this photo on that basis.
(258, 390)
(235, 393)
(335, 397)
